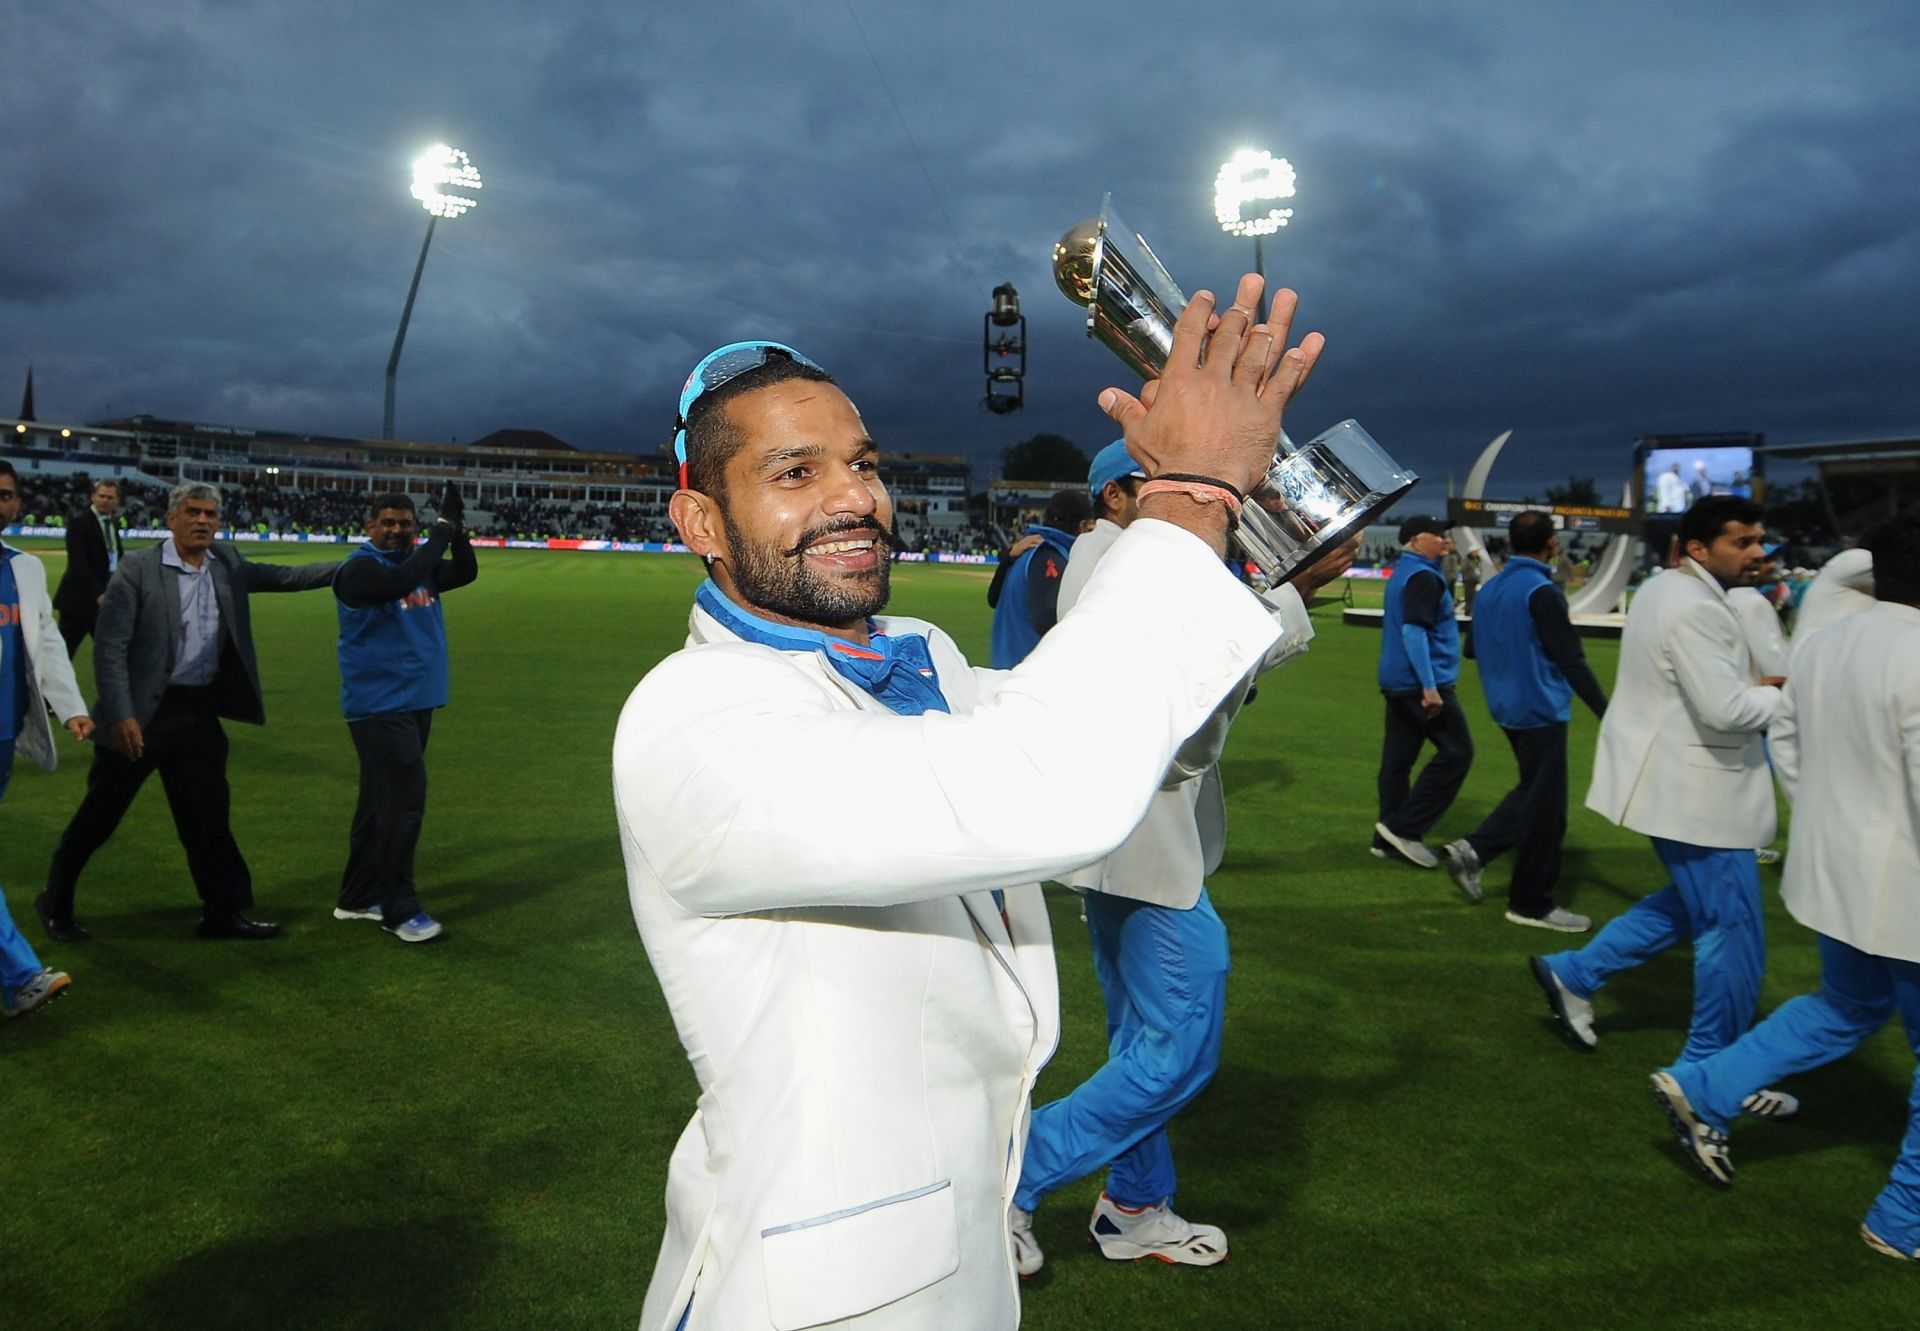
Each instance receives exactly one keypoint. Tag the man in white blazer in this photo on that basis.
(1680, 759)
(1847, 748)
(1159, 951)
(35, 675)
(834, 829)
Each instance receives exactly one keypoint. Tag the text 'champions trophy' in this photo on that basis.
(1315, 495)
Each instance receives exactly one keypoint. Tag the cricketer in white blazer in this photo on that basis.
(1162, 966)
(1179, 843)
(50, 681)
(1681, 756)
(1847, 749)
(1854, 873)
(1681, 759)
(813, 877)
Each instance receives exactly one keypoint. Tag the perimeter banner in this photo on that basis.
(1493, 514)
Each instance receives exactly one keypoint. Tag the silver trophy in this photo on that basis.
(1315, 495)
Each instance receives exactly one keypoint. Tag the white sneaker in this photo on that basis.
(419, 929)
(340, 913)
(1767, 855)
(1027, 1257)
(1770, 1104)
(41, 987)
(1463, 866)
(1127, 1234)
(1410, 849)
(1558, 919)
(1880, 1245)
(1574, 1012)
(1704, 1144)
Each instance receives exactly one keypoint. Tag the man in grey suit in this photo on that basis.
(173, 653)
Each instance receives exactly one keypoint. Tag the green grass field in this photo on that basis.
(334, 1130)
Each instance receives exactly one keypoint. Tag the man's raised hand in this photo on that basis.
(1216, 408)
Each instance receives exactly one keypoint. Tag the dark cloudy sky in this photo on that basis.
(1583, 222)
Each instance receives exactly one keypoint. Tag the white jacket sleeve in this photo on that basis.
(1203, 749)
(746, 789)
(52, 671)
(1783, 743)
(1289, 611)
(1704, 649)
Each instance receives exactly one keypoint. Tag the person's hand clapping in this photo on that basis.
(452, 507)
(1216, 408)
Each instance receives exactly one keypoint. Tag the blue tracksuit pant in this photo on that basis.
(18, 964)
(1858, 993)
(1163, 973)
(1713, 900)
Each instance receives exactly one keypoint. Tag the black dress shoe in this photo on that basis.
(236, 925)
(60, 931)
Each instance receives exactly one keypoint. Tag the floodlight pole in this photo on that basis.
(1265, 303)
(399, 338)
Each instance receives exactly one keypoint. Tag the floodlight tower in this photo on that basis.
(1254, 176)
(445, 183)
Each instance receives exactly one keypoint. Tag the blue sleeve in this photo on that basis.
(1414, 639)
(1045, 567)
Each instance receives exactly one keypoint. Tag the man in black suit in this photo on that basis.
(172, 654)
(93, 552)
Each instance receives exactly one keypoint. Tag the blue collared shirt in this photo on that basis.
(199, 620)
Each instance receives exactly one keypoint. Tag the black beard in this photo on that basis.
(780, 582)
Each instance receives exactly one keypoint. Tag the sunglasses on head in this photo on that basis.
(715, 369)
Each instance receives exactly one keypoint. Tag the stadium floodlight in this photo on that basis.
(446, 183)
(1253, 176)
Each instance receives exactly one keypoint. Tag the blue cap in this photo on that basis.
(1111, 464)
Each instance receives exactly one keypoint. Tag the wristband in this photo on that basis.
(1200, 493)
(1213, 481)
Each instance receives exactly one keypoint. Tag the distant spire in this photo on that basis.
(26, 400)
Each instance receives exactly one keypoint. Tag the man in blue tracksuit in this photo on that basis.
(1025, 594)
(1419, 665)
(393, 675)
(1531, 665)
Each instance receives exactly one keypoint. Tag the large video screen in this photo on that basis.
(1675, 477)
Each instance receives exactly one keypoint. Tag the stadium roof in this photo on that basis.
(521, 440)
(1847, 450)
